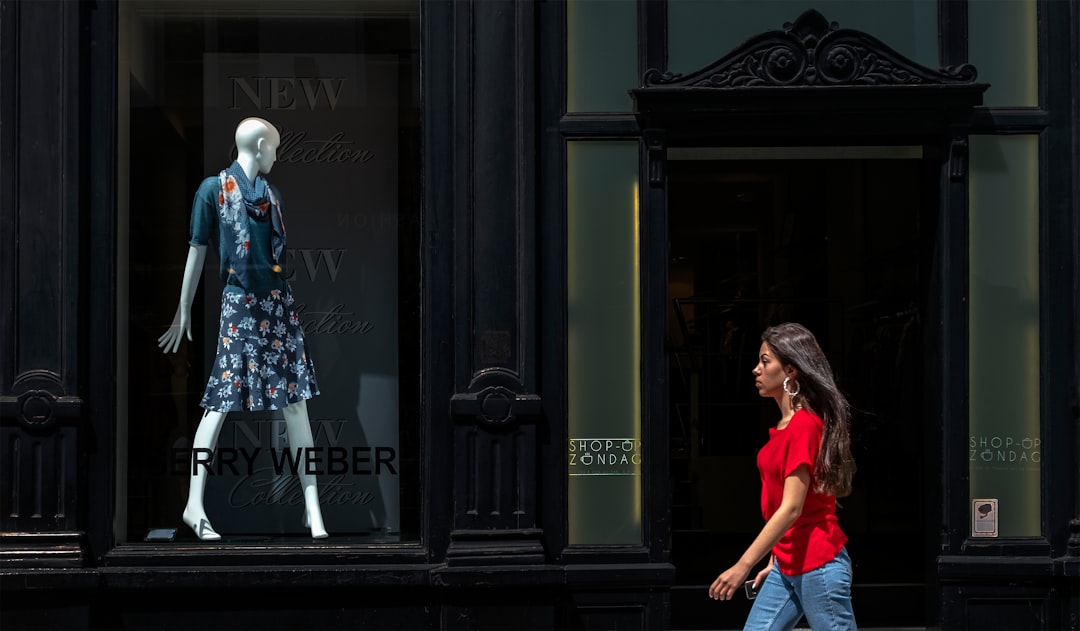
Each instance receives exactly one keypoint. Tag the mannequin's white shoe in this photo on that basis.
(318, 529)
(198, 522)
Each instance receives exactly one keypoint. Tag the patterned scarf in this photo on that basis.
(239, 196)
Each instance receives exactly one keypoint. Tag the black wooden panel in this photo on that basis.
(1005, 613)
(48, 609)
(498, 610)
(600, 607)
(40, 187)
(611, 617)
(8, 168)
(495, 190)
(495, 244)
(46, 187)
(440, 279)
(101, 308)
(241, 607)
(501, 469)
(1059, 216)
(551, 276)
(40, 473)
(952, 32)
(495, 199)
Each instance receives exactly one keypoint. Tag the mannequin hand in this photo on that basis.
(725, 585)
(169, 341)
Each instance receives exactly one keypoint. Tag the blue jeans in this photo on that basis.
(822, 595)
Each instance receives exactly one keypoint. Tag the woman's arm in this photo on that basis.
(181, 324)
(796, 486)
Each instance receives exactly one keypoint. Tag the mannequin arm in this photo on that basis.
(181, 324)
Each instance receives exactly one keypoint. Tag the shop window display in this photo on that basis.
(339, 85)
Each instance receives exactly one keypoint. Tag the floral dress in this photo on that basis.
(262, 361)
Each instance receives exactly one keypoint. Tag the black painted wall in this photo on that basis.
(493, 552)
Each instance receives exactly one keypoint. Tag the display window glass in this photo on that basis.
(1003, 43)
(1005, 425)
(601, 55)
(605, 455)
(316, 275)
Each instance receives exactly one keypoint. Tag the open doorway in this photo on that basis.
(838, 239)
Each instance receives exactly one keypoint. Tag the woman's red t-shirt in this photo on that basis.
(815, 538)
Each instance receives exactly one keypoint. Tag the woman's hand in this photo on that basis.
(725, 585)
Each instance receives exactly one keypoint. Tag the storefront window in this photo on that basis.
(1005, 445)
(702, 31)
(604, 346)
(601, 55)
(1003, 44)
(339, 82)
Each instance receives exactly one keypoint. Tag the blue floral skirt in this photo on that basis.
(262, 362)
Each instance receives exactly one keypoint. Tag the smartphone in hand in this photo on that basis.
(751, 591)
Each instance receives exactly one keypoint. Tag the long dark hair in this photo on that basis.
(794, 345)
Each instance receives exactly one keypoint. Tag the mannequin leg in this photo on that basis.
(299, 428)
(194, 513)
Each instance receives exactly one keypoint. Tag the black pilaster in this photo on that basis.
(952, 33)
(99, 454)
(496, 408)
(1059, 237)
(41, 198)
(953, 315)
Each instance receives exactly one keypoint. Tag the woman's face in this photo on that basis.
(769, 374)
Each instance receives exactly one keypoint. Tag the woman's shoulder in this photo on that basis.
(807, 418)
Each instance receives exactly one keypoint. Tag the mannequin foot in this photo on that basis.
(318, 530)
(198, 522)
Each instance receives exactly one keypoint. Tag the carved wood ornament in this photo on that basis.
(812, 52)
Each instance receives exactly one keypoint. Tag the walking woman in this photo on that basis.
(804, 467)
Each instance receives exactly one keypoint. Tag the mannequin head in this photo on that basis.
(256, 144)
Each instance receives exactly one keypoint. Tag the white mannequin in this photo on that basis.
(256, 141)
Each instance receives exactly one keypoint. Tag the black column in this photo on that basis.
(495, 408)
(41, 213)
(495, 572)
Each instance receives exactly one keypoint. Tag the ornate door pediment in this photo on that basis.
(811, 78)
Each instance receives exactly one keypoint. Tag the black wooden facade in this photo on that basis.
(494, 333)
